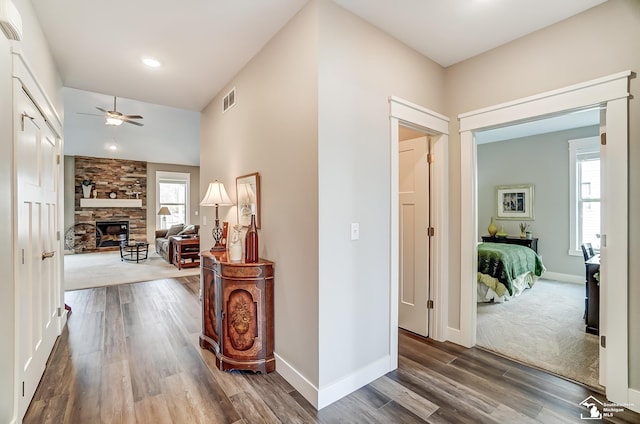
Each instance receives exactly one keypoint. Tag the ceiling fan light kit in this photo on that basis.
(115, 118)
(112, 121)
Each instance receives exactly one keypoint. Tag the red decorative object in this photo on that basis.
(251, 242)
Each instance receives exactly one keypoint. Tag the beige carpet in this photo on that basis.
(105, 269)
(543, 327)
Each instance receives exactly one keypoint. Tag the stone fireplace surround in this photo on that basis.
(111, 175)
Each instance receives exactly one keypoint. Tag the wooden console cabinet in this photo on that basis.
(237, 312)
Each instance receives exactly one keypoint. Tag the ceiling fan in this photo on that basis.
(115, 118)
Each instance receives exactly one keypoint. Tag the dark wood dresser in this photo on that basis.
(237, 312)
(531, 243)
(592, 299)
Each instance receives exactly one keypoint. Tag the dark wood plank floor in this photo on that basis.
(130, 355)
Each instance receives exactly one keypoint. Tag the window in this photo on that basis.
(173, 192)
(584, 165)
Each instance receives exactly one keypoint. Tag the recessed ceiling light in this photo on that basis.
(113, 147)
(151, 62)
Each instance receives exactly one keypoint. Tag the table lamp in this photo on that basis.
(163, 212)
(216, 196)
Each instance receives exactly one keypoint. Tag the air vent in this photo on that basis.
(229, 100)
(10, 20)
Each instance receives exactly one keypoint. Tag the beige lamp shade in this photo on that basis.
(164, 211)
(216, 195)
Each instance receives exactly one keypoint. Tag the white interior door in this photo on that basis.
(414, 243)
(37, 276)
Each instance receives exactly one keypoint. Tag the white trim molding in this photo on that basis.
(436, 126)
(611, 93)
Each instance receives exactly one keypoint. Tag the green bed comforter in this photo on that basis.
(507, 261)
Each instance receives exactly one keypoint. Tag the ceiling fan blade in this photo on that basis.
(100, 109)
(132, 116)
(90, 114)
(134, 123)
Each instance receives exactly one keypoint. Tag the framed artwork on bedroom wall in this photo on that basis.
(515, 201)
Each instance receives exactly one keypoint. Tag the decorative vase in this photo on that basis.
(251, 242)
(502, 233)
(235, 245)
(86, 191)
(493, 229)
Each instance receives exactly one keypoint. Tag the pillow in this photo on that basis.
(175, 230)
(188, 230)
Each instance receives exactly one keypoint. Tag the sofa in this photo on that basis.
(163, 237)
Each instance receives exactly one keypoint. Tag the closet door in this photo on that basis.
(37, 272)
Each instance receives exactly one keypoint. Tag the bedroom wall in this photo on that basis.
(541, 62)
(541, 160)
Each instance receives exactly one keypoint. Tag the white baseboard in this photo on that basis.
(352, 382)
(299, 382)
(567, 278)
(320, 398)
(634, 400)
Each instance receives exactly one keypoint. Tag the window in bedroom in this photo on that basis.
(584, 165)
(172, 191)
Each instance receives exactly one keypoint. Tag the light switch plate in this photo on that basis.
(355, 231)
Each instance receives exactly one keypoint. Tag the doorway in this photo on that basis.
(610, 92)
(407, 115)
(414, 236)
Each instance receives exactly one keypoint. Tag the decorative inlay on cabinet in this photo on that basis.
(237, 312)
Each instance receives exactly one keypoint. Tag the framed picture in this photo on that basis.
(248, 195)
(515, 202)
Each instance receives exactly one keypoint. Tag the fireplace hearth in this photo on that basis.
(113, 233)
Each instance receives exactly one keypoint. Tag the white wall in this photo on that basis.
(541, 160)
(35, 49)
(272, 130)
(601, 41)
(360, 67)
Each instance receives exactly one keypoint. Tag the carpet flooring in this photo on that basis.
(85, 270)
(543, 327)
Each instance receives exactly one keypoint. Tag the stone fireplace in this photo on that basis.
(115, 182)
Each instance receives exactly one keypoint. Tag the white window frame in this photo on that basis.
(178, 177)
(580, 146)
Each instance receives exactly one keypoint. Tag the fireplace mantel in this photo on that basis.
(110, 203)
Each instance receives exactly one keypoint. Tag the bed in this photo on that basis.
(506, 270)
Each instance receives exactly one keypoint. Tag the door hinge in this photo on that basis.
(59, 312)
(58, 160)
(603, 341)
(23, 389)
(431, 231)
(429, 157)
(22, 256)
(58, 235)
(429, 304)
(603, 139)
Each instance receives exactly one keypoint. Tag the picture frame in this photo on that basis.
(515, 202)
(248, 198)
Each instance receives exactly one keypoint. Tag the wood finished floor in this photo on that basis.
(130, 354)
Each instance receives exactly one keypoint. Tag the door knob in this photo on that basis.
(46, 255)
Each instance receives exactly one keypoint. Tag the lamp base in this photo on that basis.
(218, 248)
